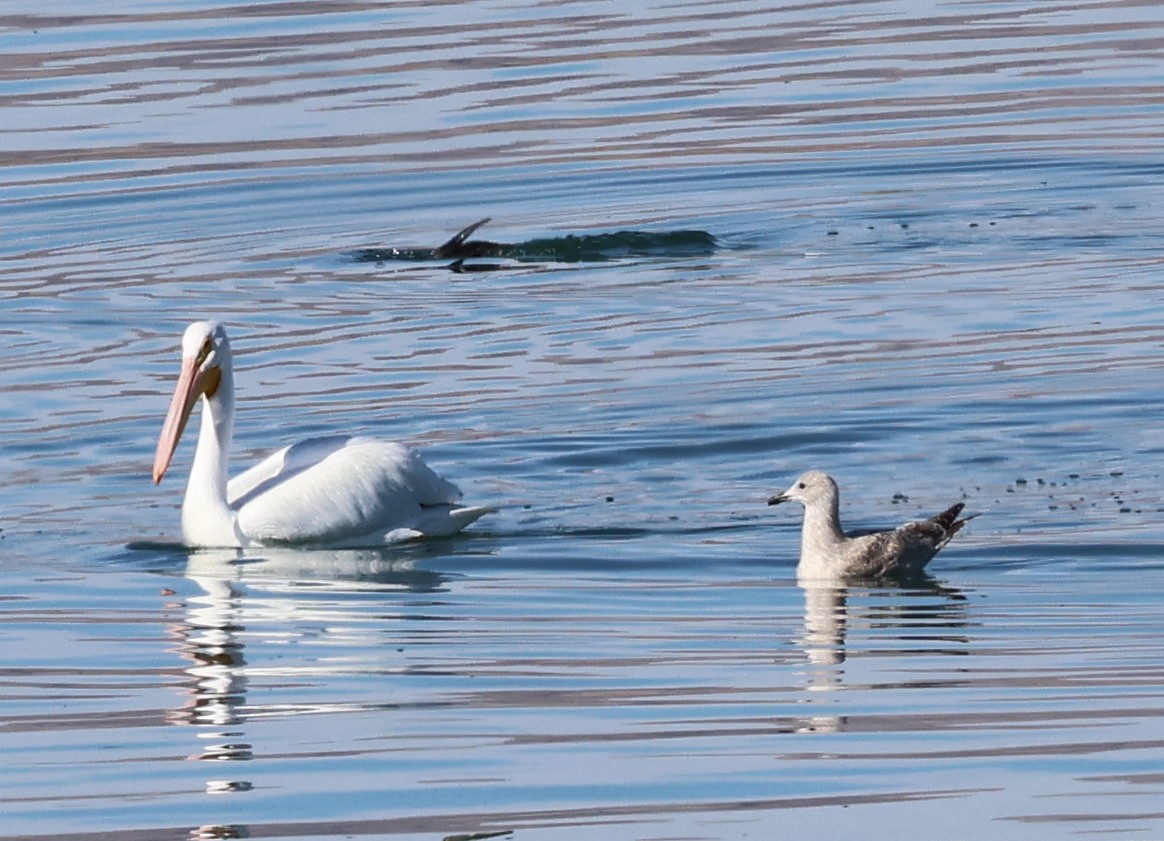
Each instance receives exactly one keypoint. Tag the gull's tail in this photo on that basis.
(949, 523)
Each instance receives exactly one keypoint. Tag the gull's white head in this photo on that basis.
(205, 361)
(812, 488)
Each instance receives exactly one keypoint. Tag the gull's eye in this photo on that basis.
(801, 485)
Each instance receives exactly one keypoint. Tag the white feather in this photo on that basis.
(336, 491)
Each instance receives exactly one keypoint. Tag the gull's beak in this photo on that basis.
(192, 384)
(776, 500)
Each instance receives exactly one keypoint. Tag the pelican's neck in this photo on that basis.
(207, 519)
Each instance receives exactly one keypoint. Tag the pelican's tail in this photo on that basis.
(443, 520)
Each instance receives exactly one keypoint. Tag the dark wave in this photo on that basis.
(571, 248)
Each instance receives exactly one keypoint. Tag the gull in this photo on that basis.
(828, 553)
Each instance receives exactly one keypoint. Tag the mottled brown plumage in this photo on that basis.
(826, 552)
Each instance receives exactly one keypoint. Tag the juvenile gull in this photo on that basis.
(826, 552)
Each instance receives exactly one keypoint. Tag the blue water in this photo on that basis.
(938, 253)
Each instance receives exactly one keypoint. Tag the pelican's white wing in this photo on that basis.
(341, 491)
(281, 465)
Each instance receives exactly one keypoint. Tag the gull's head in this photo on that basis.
(812, 488)
(205, 359)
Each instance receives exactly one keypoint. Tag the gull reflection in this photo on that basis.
(213, 832)
(847, 621)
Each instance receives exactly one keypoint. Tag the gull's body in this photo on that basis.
(337, 491)
(827, 553)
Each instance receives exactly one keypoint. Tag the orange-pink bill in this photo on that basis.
(192, 384)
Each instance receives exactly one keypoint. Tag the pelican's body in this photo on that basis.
(336, 491)
(827, 553)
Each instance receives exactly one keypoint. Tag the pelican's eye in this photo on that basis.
(204, 351)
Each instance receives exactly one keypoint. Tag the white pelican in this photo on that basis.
(337, 491)
(826, 552)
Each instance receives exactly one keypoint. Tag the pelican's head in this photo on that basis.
(205, 359)
(811, 488)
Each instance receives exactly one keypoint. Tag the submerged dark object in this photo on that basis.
(584, 248)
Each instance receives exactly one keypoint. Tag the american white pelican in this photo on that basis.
(826, 552)
(338, 491)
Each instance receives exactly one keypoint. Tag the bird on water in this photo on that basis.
(827, 552)
(337, 491)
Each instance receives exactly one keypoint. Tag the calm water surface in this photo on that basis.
(937, 274)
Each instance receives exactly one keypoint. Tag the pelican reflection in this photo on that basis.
(245, 596)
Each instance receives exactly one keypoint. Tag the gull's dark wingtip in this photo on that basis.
(948, 518)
